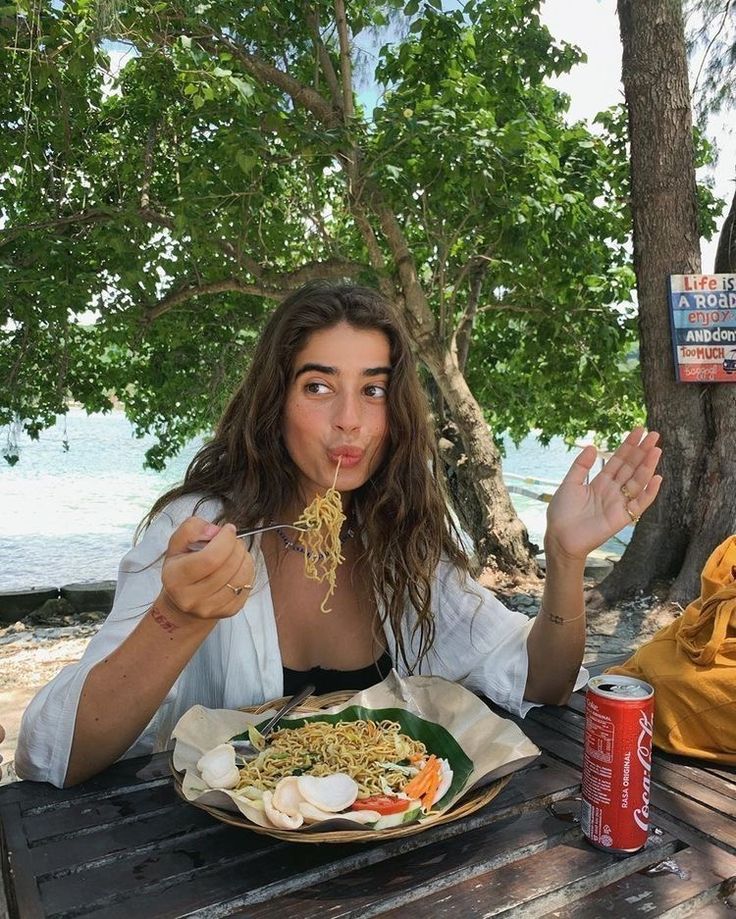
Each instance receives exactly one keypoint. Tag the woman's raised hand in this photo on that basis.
(213, 583)
(583, 515)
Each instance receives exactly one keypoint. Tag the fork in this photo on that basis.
(201, 543)
(244, 749)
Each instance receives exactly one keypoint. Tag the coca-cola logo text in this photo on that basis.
(644, 755)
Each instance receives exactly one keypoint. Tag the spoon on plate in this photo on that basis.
(244, 749)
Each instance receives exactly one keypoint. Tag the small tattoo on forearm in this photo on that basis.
(160, 619)
(558, 620)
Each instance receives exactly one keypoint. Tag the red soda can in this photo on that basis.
(617, 762)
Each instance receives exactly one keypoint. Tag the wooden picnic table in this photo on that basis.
(124, 845)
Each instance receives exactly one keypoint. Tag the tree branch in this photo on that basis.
(346, 72)
(273, 285)
(264, 72)
(461, 338)
(325, 61)
(91, 216)
(190, 291)
(148, 165)
(513, 308)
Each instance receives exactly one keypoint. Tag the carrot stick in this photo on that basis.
(431, 792)
(420, 781)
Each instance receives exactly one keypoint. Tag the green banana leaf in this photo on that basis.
(436, 739)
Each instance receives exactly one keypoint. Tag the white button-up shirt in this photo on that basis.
(478, 643)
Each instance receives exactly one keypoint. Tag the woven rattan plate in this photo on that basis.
(469, 803)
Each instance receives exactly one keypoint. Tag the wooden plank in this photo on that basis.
(99, 813)
(694, 820)
(716, 910)
(16, 867)
(535, 886)
(409, 877)
(684, 885)
(124, 775)
(66, 854)
(182, 875)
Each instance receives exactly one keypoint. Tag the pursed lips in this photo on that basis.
(348, 456)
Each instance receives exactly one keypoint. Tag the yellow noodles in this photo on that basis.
(322, 547)
(321, 748)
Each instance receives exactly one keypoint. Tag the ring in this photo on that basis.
(238, 590)
(635, 518)
(626, 493)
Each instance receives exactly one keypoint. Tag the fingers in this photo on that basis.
(191, 530)
(577, 474)
(221, 542)
(636, 506)
(213, 582)
(632, 469)
(636, 449)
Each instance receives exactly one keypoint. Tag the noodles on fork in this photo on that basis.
(323, 519)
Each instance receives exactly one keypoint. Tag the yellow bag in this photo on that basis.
(692, 665)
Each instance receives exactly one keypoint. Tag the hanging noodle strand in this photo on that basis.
(323, 520)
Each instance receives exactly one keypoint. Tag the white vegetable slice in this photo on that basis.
(286, 796)
(362, 816)
(314, 814)
(217, 767)
(330, 792)
(445, 781)
(278, 818)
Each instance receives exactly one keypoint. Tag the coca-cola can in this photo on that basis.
(617, 762)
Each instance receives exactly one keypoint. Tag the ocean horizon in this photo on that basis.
(69, 515)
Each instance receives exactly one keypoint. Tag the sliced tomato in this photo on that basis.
(383, 804)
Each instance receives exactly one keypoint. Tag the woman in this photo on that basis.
(332, 382)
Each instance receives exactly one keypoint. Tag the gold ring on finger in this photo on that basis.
(238, 590)
(626, 493)
(635, 518)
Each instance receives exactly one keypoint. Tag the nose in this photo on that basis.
(348, 413)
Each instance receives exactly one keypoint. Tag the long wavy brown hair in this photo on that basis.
(402, 509)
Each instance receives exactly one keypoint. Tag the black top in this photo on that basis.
(333, 680)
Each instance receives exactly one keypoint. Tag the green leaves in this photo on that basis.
(176, 201)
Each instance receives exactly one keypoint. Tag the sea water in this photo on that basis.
(69, 515)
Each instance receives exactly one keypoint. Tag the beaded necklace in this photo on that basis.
(347, 532)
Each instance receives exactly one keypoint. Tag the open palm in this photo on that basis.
(584, 514)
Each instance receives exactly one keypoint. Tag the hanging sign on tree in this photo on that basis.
(703, 314)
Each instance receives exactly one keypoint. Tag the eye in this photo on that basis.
(316, 388)
(377, 390)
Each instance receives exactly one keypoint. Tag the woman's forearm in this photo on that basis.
(556, 643)
(124, 690)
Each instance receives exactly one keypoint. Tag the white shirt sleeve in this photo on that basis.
(478, 641)
(47, 728)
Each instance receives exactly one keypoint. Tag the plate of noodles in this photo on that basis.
(392, 760)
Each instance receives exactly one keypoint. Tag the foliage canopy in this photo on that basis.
(229, 159)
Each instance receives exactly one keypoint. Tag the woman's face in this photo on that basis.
(336, 407)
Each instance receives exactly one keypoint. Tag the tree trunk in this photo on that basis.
(696, 507)
(476, 482)
(500, 537)
(726, 252)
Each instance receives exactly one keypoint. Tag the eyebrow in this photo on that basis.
(333, 371)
